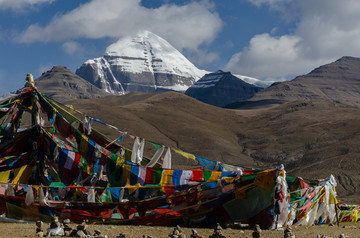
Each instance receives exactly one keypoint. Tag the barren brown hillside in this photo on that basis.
(313, 139)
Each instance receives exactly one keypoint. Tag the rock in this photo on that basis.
(121, 235)
(69, 233)
(73, 233)
(257, 232)
(40, 234)
(80, 233)
(177, 233)
(217, 232)
(81, 227)
(342, 235)
(87, 232)
(349, 227)
(66, 221)
(58, 231)
(237, 225)
(39, 224)
(322, 236)
(288, 233)
(54, 225)
(194, 234)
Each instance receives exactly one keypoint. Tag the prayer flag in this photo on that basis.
(185, 177)
(186, 155)
(69, 159)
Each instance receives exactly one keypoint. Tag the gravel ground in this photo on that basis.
(348, 229)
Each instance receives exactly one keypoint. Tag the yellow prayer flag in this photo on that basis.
(126, 173)
(166, 177)
(215, 175)
(4, 176)
(133, 188)
(83, 144)
(186, 155)
(22, 174)
(266, 179)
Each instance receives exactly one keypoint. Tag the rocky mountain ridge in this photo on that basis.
(221, 88)
(337, 82)
(63, 85)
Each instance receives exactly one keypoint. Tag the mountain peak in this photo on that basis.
(63, 85)
(144, 63)
(221, 88)
(348, 58)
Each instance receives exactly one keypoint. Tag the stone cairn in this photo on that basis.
(67, 228)
(39, 229)
(288, 233)
(217, 232)
(257, 232)
(56, 229)
(177, 233)
(194, 234)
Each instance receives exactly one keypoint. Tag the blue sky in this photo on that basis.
(271, 40)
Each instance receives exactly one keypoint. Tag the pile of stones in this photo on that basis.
(257, 232)
(217, 232)
(177, 233)
(64, 229)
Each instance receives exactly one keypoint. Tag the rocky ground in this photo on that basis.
(347, 229)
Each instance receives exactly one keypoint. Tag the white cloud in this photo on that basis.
(44, 67)
(71, 47)
(271, 3)
(324, 32)
(185, 26)
(21, 4)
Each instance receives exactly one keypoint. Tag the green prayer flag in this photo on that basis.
(57, 185)
(157, 146)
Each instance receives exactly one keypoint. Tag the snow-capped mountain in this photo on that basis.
(221, 88)
(144, 63)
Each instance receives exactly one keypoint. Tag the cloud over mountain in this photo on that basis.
(324, 31)
(112, 18)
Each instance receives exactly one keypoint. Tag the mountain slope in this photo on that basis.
(336, 82)
(313, 139)
(63, 85)
(144, 63)
(221, 88)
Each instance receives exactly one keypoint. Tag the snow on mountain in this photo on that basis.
(144, 63)
(254, 81)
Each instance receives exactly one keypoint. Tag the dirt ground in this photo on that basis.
(348, 229)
